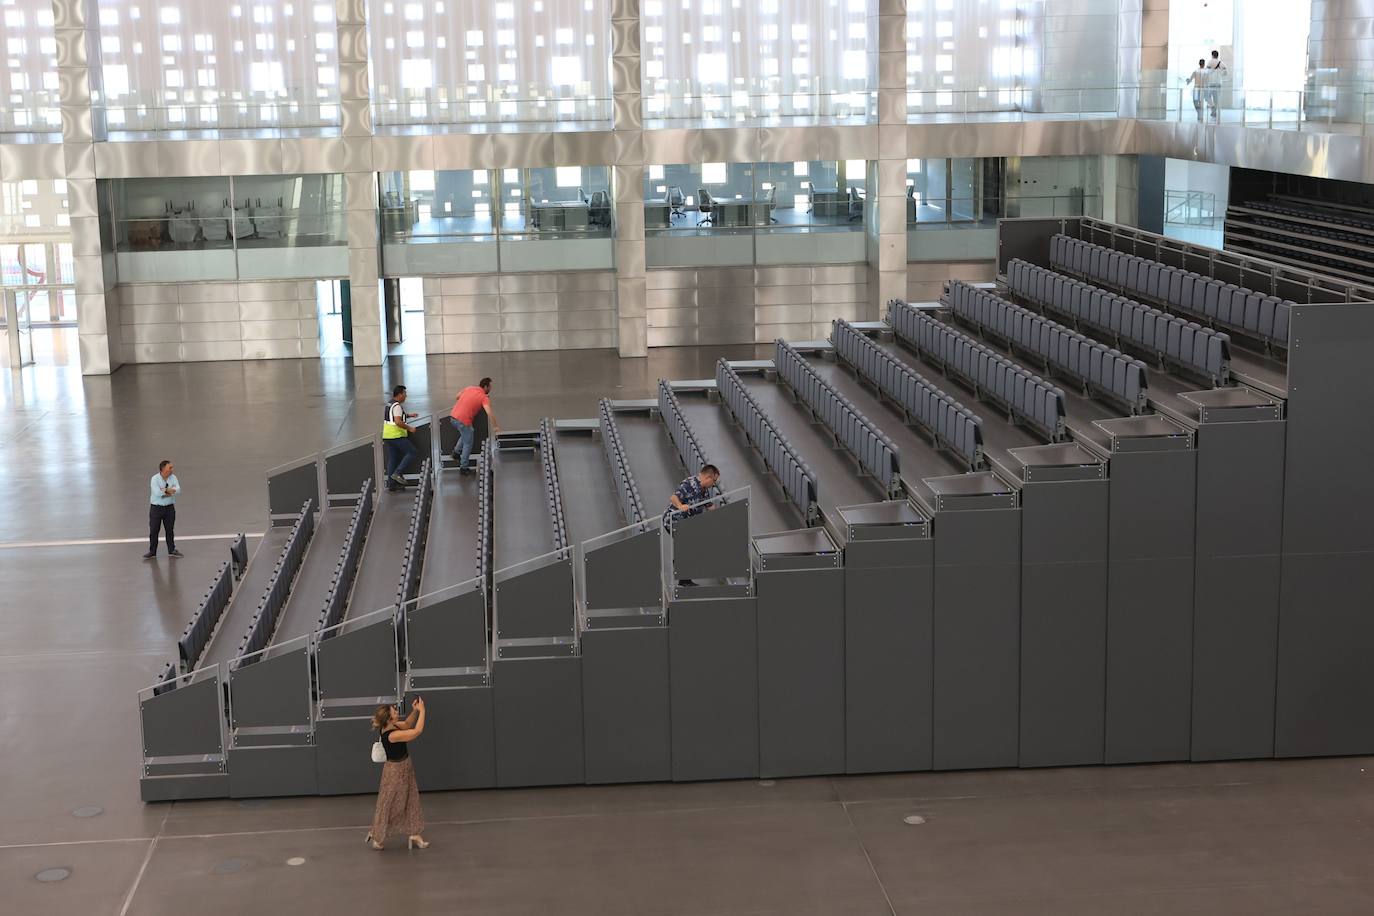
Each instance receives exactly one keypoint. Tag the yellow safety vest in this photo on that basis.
(389, 429)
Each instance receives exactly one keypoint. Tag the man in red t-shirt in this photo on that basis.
(471, 400)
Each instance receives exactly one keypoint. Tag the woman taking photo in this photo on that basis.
(398, 799)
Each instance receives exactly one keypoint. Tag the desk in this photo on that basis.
(829, 203)
(657, 215)
(741, 212)
(559, 214)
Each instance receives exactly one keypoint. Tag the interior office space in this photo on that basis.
(226, 231)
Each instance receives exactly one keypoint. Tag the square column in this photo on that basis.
(885, 212)
(632, 337)
(360, 186)
(1142, 58)
(78, 75)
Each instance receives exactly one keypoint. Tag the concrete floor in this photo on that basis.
(84, 625)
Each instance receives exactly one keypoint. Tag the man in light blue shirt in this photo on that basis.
(163, 490)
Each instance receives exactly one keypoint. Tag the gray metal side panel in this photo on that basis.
(459, 752)
(1150, 606)
(801, 672)
(1236, 591)
(272, 772)
(184, 721)
(343, 757)
(977, 638)
(538, 704)
(888, 660)
(361, 663)
(1063, 622)
(1326, 630)
(289, 489)
(183, 788)
(536, 603)
(714, 544)
(625, 705)
(625, 574)
(275, 691)
(450, 632)
(344, 472)
(713, 652)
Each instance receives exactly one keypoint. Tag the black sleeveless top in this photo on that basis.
(394, 752)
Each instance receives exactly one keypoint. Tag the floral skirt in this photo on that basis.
(398, 802)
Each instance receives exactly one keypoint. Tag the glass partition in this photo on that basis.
(557, 218)
(438, 222)
(218, 228)
(736, 213)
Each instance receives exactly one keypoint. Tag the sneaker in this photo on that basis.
(399, 480)
(150, 554)
(175, 554)
(467, 470)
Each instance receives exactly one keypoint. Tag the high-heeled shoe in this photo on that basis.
(417, 841)
(371, 842)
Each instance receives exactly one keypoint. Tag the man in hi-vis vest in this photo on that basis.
(400, 451)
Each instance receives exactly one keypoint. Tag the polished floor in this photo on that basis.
(84, 624)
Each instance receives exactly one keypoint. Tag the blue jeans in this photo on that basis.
(399, 454)
(463, 451)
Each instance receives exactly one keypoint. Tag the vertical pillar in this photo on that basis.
(1142, 58)
(78, 75)
(360, 185)
(885, 218)
(627, 125)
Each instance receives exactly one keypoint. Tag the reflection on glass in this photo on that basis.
(771, 197)
(422, 207)
(550, 203)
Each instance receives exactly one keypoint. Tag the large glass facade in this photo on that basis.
(723, 59)
(264, 63)
(755, 212)
(36, 248)
(488, 61)
(28, 79)
(218, 228)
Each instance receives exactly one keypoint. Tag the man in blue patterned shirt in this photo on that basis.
(682, 504)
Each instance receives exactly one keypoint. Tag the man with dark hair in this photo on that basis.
(1216, 75)
(400, 451)
(686, 500)
(471, 401)
(162, 509)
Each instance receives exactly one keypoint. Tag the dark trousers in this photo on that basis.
(164, 517)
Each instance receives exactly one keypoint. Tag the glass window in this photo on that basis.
(763, 212)
(479, 61)
(438, 222)
(28, 78)
(723, 59)
(271, 63)
(546, 203)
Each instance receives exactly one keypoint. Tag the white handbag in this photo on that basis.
(378, 752)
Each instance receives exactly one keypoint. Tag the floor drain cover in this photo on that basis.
(296, 860)
(88, 811)
(913, 819)
(229, 866)
(54, 874)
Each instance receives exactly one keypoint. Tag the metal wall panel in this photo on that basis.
(713, 666)
(625, 693)
(888, 658)
(538, 704)
(1150, 606)
(976, 638)
(461, 754)
(1063, 622)
(801, 628)
(1326, 632)
(1236, 596)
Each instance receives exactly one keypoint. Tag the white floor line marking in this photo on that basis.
(82, 542)
(147, 857)
(120, 839)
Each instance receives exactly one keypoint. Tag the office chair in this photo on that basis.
(810, 197)
(856, 204)
(600, 209)
(705, 204)
(675, 200)
(770, 198)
